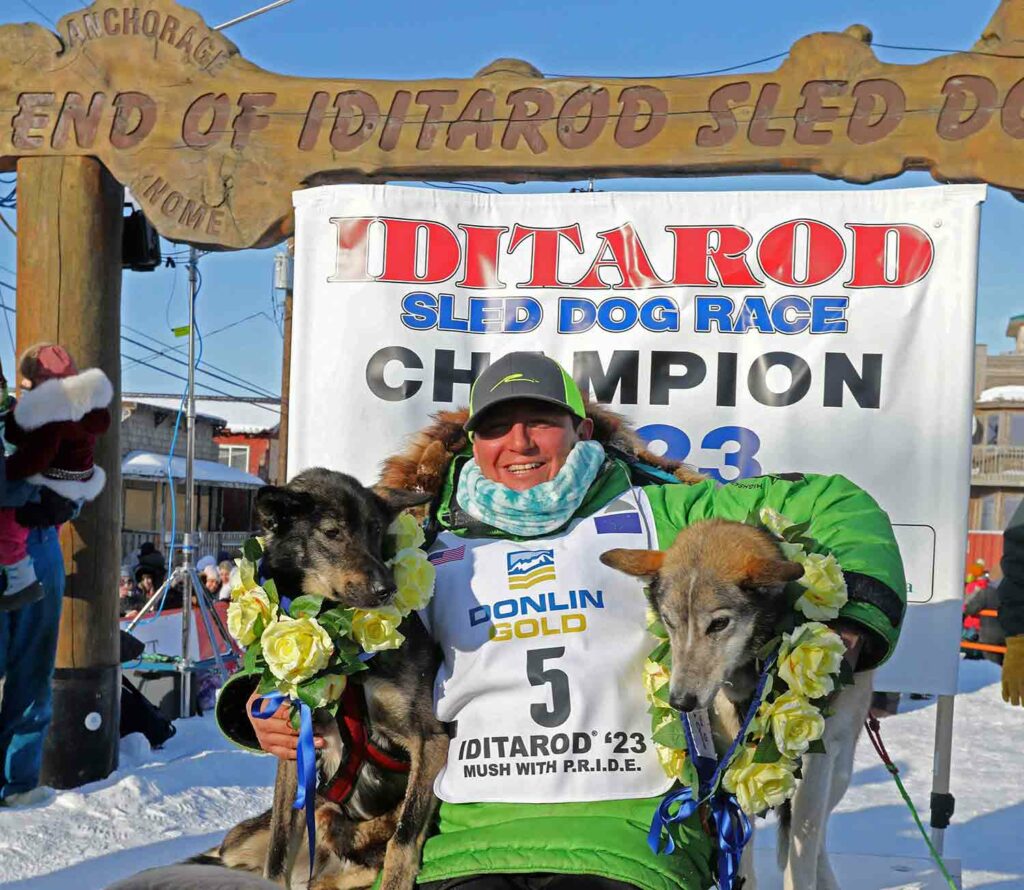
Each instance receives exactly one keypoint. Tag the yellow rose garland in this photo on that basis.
(307, 649)
(809, 666)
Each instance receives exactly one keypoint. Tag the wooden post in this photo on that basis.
(286, 371)
(69, 292)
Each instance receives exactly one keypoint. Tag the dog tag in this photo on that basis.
(700, 731)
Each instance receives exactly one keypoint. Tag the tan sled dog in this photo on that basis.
(719, 592)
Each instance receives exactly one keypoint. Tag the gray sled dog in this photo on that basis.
(719, 592)
(324, 535)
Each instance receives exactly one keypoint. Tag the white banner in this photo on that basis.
(745, 332)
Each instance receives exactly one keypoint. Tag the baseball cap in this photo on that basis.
(524, 375)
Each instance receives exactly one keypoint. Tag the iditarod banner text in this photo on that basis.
(742, 332)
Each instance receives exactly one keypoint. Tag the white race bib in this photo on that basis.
(544, 649)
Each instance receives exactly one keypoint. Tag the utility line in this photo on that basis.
(168, 348)
(177, 361)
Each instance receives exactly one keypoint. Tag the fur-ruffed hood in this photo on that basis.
(64, 399)
(423, 465)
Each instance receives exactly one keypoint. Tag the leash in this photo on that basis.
(732, 826)
(874, 733)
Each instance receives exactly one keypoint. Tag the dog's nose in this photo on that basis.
(684, 703)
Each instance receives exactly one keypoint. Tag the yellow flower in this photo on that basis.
(377, 630)
(774, 521)
(808, 667)
(414, 577)
(246, 576)
(794, 722)
(655, 677)
(671, 760)
(249, 612)
(759, 786)
(406, 532)
(825, 585)
(296, 648)
(791, 551)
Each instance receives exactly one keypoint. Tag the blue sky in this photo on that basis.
(402, 39)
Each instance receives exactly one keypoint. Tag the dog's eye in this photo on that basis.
(332, 531)
(719, 624)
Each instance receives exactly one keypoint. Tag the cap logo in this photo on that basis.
(513, 378)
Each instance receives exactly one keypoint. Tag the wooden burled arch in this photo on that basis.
(212, 145)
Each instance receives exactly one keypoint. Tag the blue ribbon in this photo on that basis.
(305, 795)
(732, 827)
(665, 816)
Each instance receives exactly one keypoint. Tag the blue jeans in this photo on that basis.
(28, 648)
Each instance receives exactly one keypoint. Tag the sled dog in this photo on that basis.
(718, 590)
(324, 535)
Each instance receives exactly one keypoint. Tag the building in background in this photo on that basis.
(997, 456)
(226, 483)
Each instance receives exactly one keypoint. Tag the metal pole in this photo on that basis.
(942, 764)
(250, 15)
(185, 666)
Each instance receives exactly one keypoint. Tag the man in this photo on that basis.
(523, 511)
(1011, 608)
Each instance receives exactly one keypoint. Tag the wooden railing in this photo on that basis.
(204, 542)
(997, 465)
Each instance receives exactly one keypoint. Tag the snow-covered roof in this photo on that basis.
(148, 466)
(237, 416)
(1003, 394)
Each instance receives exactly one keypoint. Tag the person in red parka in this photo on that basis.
(54, 428)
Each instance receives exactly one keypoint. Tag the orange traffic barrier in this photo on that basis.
(984, 647)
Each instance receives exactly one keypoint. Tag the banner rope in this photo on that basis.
(874, 733)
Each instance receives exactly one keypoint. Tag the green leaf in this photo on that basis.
(792, 532)
(816, 747)
(769, 647)
(337, 622)
(659, 652)
(657, 628)
(690, 777)
(306, 606)
(662, 692)
(271, 588)
(671, 735)
(252, 550)
(787, 624)
(253, 654)
(767, 751)
(312, 691)
(268, 684)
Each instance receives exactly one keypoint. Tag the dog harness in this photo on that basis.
(360, 748)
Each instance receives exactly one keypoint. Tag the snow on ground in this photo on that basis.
(160, 807)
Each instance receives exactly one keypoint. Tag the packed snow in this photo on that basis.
(160, 807)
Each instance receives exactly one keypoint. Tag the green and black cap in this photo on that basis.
(524, 375)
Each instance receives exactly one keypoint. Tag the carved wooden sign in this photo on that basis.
(213, 146)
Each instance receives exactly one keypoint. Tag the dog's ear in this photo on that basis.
(639, 563)
(397, 499)
(277, 506)
(761, 572)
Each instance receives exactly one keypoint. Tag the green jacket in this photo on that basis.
(609, 838)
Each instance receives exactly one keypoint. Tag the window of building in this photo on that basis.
(1017, 428)
(992, 429)
(988, 513)
(236, 456)
(1010, 504)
